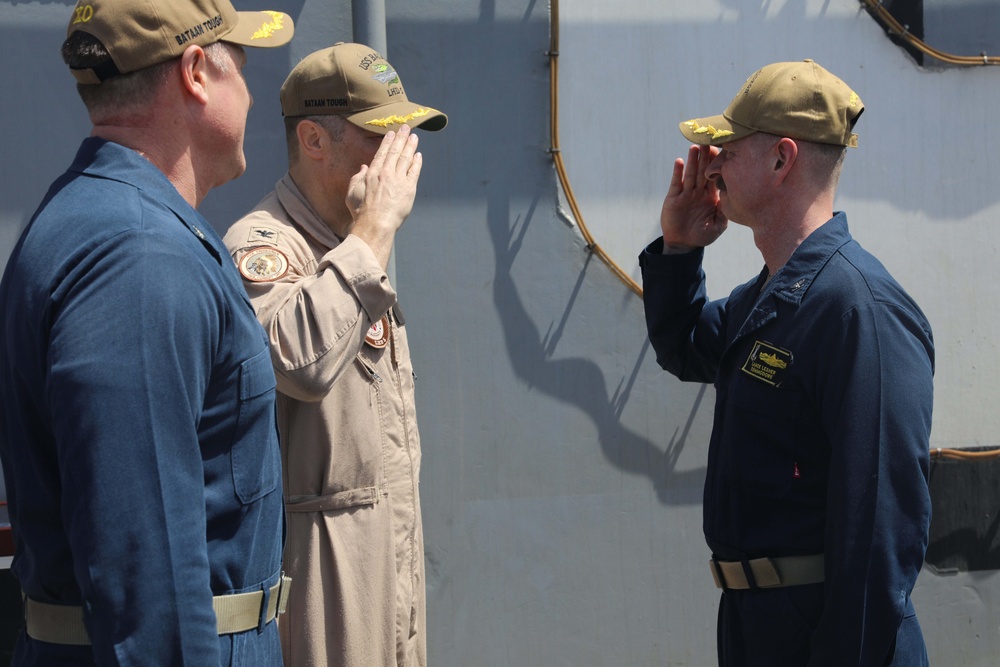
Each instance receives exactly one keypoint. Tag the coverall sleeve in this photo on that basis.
(316, 323)
(876, 404)
(685, 328)
(132, 341)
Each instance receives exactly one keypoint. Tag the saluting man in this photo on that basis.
(313, 256)
(816, 500)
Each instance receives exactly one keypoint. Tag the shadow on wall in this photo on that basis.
(579, 381)
(495, 147)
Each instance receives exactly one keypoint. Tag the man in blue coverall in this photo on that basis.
(816, 505)
(137, 426)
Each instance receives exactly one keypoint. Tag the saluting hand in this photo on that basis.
(690, 217)
(380, 196)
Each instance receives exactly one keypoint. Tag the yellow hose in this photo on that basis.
(876, 9)
(592, 245)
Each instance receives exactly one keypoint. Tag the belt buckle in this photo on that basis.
(284, 588)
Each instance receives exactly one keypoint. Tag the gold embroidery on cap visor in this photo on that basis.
(398, 120)
(707, 129)
(268, 29)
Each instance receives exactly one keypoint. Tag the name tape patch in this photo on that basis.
(767, 363)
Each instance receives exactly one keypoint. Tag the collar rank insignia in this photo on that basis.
(263, 264)
(378, 333)
(767, 363)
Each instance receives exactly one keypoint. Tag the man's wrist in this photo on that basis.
(676, 248)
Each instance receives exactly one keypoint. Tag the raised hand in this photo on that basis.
(690, 217)
(380, 195)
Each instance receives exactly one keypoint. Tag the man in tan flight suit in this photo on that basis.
(313, 257)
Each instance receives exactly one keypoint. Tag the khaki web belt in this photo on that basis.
(767, 572)
(238, 612)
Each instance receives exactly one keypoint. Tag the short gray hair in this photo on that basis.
(127, 92)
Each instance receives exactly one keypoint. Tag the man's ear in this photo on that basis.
(194, 72)
(785, 153)
(311, 139)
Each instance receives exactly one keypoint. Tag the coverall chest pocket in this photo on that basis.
(764, 427)
(255, 457)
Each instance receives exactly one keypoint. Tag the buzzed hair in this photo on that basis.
(824, 162)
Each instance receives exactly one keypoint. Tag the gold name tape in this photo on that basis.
(767, 363)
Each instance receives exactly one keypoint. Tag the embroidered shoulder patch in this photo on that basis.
(263, 264)
(378, 334)
(767, 363)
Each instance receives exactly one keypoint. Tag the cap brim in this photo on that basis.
(713, 131)
(265, 29)
(387, 117)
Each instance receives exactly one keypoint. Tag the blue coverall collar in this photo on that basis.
(105, 159)
(793, 279)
